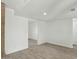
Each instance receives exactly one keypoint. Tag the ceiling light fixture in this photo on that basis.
(44, 13)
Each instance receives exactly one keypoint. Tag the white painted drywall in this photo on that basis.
(16, 32)
(75, 30)
(61, 32)
(42, 32)
(33, 30)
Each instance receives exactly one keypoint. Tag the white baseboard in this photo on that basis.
(13, 51)
(64, 45)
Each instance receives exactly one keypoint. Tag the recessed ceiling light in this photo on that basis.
(44, 13)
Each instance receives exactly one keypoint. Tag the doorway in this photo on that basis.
(32, 33)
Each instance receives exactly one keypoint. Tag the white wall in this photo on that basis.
(16, 32)
(42, 32)
(37, 29)
(33, 30)
(75, 31)
(61, 32)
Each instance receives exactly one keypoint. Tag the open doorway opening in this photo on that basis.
(32, 33)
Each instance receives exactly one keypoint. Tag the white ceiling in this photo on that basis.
(36, 8)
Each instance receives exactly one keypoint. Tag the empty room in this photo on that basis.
(39, 29)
